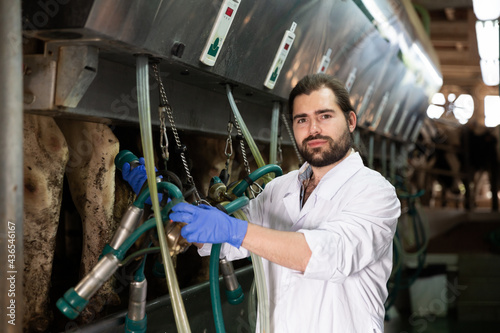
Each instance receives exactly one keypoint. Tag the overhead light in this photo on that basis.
(464, 107)
(465, 101)
(487, 39)
(491, 111)
(488, 12)
(490, 71)
(461, 107)
(375, 11)
(434, 111)
(488, 46)
(430, 69)
(486, 9)
(438, 98)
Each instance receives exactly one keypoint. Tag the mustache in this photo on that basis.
(316, 137)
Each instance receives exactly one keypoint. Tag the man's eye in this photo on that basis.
(326, 116)
(300, 121)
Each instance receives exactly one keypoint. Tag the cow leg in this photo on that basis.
(45, 158)
(91, 177)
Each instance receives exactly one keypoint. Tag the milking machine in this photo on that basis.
(265, 173)
(220, 195)
(229, 198)
(75, 299)
(234, 292)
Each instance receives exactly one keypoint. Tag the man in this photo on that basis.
(324, 232)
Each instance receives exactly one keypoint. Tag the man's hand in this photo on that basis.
(137, 177)
(206, 224)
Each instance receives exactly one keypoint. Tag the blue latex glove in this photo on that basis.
(206, 224)
(137, 177)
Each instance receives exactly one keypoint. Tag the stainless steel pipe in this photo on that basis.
(11, 174)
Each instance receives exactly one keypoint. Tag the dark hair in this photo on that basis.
(313, 82)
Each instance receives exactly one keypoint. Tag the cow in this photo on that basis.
(84, 153)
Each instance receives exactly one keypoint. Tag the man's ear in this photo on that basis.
(351, 121)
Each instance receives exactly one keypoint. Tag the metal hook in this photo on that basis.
(164, 143)
(228, 146)
(258, 190)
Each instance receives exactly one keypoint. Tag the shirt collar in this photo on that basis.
(305, 172)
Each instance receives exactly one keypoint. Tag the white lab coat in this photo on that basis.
(349, 222)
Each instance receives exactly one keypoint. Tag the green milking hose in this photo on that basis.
(233, 208)
(214, 269)
(260, 172)
(173, 192)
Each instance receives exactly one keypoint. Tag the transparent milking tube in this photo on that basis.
(260, 281)
(147, 146)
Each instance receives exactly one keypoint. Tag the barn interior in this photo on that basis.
(200, 89)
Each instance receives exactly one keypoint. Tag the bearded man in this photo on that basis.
(324, 231)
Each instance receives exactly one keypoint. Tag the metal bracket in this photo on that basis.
(39, 82)
(59, 78)
(76, 69)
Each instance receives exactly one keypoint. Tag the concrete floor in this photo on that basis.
(440, 325)
(462, 244)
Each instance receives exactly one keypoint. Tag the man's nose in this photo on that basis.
(314, 128)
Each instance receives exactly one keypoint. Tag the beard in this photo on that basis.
(334, 152)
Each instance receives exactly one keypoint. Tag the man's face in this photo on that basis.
(320, 128)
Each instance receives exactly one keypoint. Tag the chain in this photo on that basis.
(279, 158)
(228, 151)
(242, 146)
(292, 137)
(165, 108)
(279, 150)
(163, 135)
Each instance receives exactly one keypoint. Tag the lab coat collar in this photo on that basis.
(291, 198)
(333, 180)
(326, 188)
(341, 172)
